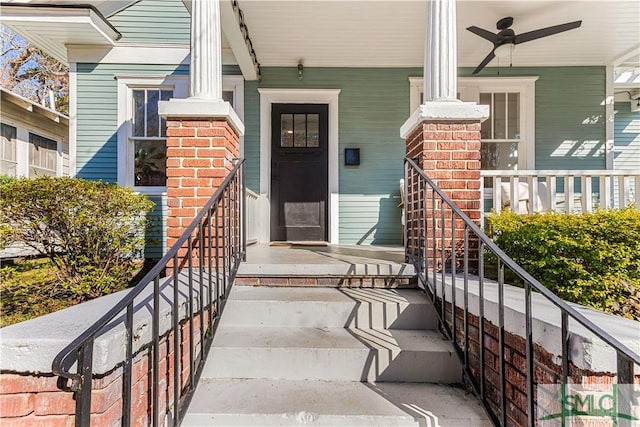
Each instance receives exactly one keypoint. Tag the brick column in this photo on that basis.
(443, 138)
(202, 143)
(200, 154)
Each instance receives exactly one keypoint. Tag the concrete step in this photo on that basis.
(262, 402)
(332, 354)
(326, 307)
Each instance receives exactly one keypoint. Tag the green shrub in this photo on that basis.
(592, 259)
(92, 232)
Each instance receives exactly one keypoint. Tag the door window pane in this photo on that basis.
(286, 130)
(299, 130)
(313, 130)
(150, 163)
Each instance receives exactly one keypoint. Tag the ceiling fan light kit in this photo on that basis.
(505, 40)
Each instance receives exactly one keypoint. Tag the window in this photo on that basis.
(142, 132)
(43, 156)
(8, 160)
(508, 135)
(500, 133)
(148, 138)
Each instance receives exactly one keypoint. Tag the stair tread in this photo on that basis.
(330, 295)
(317, 402)
(332, 338)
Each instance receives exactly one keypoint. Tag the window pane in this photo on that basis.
(8, 142)
(513, 124)
(286, 130)
(165, 95)
(227, 95)
(153, 122)
(485, 129)
(43, 156)
(138, 112)
(150, 163)
(313, 133)
(499, 116)
(299, 130)
(499, 155)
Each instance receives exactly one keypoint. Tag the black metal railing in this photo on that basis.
(448, 250)
(182, 298)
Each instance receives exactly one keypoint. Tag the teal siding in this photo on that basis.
(97, 141)
(157, 21)
(627, 137)
(374, 103)
(570, 115)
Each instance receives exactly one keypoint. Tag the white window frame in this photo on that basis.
(180, 87)
(469, 89)
(23, 166)
(15, 149)
(57, 171)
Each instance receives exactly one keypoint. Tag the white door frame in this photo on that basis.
(297, 96)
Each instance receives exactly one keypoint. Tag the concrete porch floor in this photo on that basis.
(330, 260)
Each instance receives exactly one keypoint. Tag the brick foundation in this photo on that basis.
(40, 400)
(546, 370)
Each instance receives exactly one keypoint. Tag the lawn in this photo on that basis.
(28, 289)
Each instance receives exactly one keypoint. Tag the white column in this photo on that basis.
(440, 62)
(206, 50)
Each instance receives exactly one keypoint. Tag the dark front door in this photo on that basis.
(299, 172)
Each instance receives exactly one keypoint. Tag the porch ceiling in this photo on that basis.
(385, 33)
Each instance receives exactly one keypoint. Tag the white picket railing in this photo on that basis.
(252, 217)
(559, 190)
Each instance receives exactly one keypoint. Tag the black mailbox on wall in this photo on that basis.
(351, 156)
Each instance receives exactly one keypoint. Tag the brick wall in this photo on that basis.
(42, 399)
(449, 153)
(547, 370)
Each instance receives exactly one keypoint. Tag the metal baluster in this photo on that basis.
(224, 245)
(217, 228)
(443, 310)
(85, 368)
(244, 213)
(434, 238)
(156, 351)
(126, 368)
(481, 318)
(176, 343)
(466, 298)
(201, 287)
(405, 201)
(425, 234)
(210, 299)
(454, 321)
(501, 347)
(190, 309)
(530, 371)
(565, 347)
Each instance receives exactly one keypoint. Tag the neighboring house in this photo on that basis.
(35, 139)
(334, 76)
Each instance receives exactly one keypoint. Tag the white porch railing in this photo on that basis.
(559, 190)
(252, 217)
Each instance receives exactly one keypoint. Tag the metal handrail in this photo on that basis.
(226, 202)
(417, 186)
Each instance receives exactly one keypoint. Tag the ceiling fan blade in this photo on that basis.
(484, 62)
(548, 31)
(485, 34)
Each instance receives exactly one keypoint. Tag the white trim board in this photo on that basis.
(298, 96)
